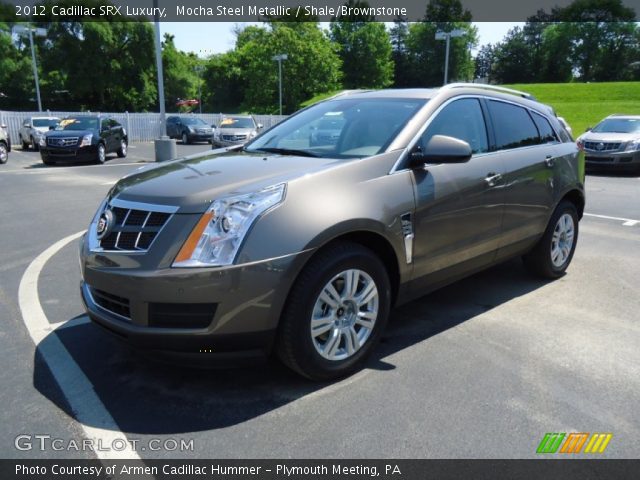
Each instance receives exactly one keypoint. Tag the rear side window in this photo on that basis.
(461, 119)
(547, 135)
(513, 126)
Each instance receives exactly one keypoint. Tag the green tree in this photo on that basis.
(365, 50)
(402, 72)
(312, 67)
(427, 55)
(16, 80)
(181, 76)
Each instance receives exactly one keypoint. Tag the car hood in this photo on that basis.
(235, 131)
(69, 133)
(610, 137)
(193, 183)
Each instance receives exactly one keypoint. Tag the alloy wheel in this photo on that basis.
(344, 315)
(562, 240)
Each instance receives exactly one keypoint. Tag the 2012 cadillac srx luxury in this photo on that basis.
(302, 248)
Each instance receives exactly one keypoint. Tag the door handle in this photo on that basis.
(492, 179)
(549, 161)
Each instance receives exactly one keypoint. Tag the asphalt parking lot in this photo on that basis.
(480, 369)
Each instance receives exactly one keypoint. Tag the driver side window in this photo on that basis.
(461, 119)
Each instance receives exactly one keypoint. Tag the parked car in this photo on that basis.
(235, 130)
(33, 128)
(5, 144)
(566, 126)
(327, 131)
(84, 138)
(189, 129)
(614, 142)
(303, 250)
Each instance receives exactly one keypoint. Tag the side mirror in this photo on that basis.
(441, 149)
(260, 126)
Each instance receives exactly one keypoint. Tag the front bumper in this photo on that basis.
(219, 142)
(622, 160)
(149, 309)
(200, 137)
(69, 154)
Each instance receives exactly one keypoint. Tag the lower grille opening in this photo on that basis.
(112, 303)
(181, 315)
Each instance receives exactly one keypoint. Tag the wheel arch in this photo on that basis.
(576, 197)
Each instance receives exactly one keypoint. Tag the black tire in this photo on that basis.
(539, 260)
(101, 153)
(294, 344)
(48, 162)
(4, 153)
(122, 151)
(185, 138)
(34, 145)
(23, 144)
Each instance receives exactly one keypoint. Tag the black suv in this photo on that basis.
(84, 138)
(189, 129)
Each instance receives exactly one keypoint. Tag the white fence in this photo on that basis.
(141, 127)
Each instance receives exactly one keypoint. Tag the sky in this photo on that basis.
(216, 37)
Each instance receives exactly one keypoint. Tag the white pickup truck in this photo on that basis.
(33, 128)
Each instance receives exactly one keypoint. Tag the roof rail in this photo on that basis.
(494, 88)
(347, 92)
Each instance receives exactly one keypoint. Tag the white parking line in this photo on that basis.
(627, 222)
(88, 409)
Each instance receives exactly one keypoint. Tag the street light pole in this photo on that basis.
(279, 59)
(199, 70)
(39, 32)
(447, 37)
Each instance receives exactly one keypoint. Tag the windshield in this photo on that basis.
(79, 123)
(342, 128)
(193, 121)
(237, 122)
(45, 122)
(618, 125)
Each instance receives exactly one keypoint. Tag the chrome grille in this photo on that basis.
(133, 229)
(234, 138)
(62, 141)
(602, 146)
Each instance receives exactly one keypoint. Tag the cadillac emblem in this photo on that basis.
(600, 146)
(105, 222)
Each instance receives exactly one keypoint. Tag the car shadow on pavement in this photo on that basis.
(146, 397)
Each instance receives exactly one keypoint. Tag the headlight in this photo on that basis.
(86, 140)
(42, 141)
(191, 129)
(217, 237)
(253, 134)
(216, 134)
(633, 146)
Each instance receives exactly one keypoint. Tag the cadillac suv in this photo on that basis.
(302, 250)
(614, 142)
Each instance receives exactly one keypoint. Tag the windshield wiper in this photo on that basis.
(285, 151)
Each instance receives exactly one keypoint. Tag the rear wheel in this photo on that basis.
(122, 151)
(4, 153)
(335, 313)
(101, 155)
(553, 253)
(23, 144)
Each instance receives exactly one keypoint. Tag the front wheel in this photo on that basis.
(101, 156)
(23, 144)
(185, 138)
(35, 144)
(122, 151)
(4, 153)
(335, 313)
(553, 253)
